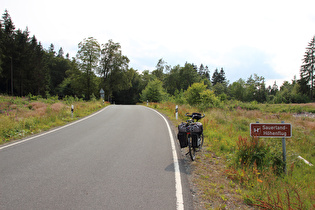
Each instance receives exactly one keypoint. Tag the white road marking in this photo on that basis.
(57, 129)
(178, 182)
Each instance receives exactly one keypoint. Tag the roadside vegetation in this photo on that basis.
(234, 169)
(23, 116)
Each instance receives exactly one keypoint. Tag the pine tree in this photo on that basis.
(307, 68)
(218, 77)
(222, 78)
(60, 53)
(7, 46)
(215, 77)
(201, 70)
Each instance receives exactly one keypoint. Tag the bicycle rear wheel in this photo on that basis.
(201, 142)
(192, 150)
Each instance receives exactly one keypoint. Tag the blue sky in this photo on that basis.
(245, 37)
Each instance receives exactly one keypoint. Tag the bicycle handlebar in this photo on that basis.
(195, 115)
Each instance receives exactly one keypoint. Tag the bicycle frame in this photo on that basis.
(193, 149)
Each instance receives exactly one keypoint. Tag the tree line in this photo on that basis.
(27, 68)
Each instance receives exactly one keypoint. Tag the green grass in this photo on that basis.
(255, 167)
(23, 116)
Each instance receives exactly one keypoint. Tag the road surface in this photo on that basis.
(119, 158)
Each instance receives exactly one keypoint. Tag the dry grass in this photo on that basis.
(37, 109)
(56, 107)
(20, 117)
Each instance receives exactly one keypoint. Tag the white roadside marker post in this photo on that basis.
(72, 109)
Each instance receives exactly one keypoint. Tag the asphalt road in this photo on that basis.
(119, 158)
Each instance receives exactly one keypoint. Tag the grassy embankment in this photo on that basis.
(236, 171)
(20, 117)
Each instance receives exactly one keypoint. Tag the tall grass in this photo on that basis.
(257, 164)
(24, 116)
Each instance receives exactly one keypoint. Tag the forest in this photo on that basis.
(26, 68)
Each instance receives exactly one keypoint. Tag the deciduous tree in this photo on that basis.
(153, 92)
(113, 68)
(88, 57)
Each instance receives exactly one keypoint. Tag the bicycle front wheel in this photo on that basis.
(192, 150)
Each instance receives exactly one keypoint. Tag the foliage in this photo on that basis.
(208, 99)
(308, 66)
(193, 93)
(199, 95)
(153, 92)
(113, 69)
(255, 153)
(88, 58)
(132, 94)
(218, 77)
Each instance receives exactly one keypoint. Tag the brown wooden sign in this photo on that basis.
(273, 130)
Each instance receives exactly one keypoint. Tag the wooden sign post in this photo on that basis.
(273, 130)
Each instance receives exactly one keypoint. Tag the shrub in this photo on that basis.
(153, 92)
(209, 99)
(254, 152)
(193, 93)
(199, 95)
(250, 151)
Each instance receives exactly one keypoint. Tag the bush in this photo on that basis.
(255, 153)
(179, 97)
(198, 94)
(193, 93)
(153, 92)
(208, 99)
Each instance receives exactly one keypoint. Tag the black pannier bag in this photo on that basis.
(194, 137)
(182, 135)
(183, 141)
(182, 128)
(196, 128)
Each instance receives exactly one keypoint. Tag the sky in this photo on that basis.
(244, 37)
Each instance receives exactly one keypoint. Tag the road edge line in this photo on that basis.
(51, 131)
(178, 182)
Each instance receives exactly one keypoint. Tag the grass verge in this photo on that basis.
(20, 117)
(236, 171)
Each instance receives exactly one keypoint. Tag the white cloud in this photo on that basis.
(228, 33)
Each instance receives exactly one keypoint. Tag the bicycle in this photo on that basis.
(191, 134)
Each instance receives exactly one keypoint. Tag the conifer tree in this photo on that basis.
(215, 77)
(218, 77)
(307, 68)
(7, 48)
(222, 78)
